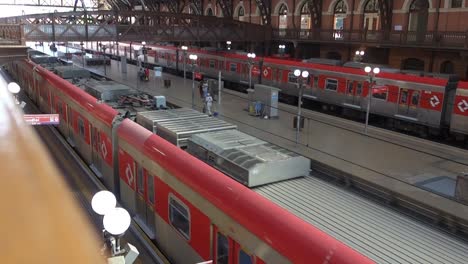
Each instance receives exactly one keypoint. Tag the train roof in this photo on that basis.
(102, 112)
(340, 69)
(362, 65)
(323, 61)
(378, 232)
(463, 85)
(251, 210)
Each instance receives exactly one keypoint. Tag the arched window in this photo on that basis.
(305, 16)
(447, 67)
(283, 17)
(371, 15)
(340, 7)
(418, 15)
(241, 13)
(413, 64)
(209, 12)
(339, 15)
(456, 3)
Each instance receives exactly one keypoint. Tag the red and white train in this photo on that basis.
(425, 105)
(193, 212)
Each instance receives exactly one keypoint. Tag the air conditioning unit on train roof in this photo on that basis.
(249, 160)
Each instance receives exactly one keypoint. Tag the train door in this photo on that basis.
(314, 85)
(353, 93)
(145, 201)
(228, 251)
(95, 149)
(408, 102)
(71, 129)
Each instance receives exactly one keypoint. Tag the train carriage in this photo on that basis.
(201, 214)
(459, 113)
(85, 123)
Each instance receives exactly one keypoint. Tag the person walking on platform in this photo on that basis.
(200, 89)
(208, 103)
(147, 73)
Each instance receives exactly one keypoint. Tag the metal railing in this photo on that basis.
(136, 25)
(430, 39)
(11, 34)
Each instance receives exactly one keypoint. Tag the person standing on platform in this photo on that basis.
(147, 73)
(208, 103)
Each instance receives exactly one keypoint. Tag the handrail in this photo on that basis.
(40, 222)
(442, 39)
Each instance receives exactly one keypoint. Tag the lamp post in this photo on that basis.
(301, 76)
(104, 57)
(184, 57)
(143, 51)
(83, 54)
(251, 62)
(359, 54)
(228, 43)
(193, 61)
(281, 49)
(116, 221)
(371, 72)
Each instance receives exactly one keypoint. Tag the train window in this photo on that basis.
(244, 258)
(233, 67)
(404, 97)
(212, 64)
(222, 253)
(315, 85)
(81, 127)
(380, 93)
(349, 87)
(179, 216)
(70, 116)
(358, 88)
(59, 108)
(415, 98)
(292, 78)
(140, 182)
(331, 84)
(150, 189)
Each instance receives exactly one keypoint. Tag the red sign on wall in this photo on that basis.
(34, 120)
(198, 76)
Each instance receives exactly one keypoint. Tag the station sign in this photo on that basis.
(34, 120)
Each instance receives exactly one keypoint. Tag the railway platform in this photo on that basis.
(414, 173)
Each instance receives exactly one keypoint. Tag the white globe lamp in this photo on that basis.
(297, 73)
(13, 88)
(117, 221)
(103, 202)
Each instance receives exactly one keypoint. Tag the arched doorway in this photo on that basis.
(305, 20)
(241, 13)
(413, 64)
(283, 17)
(447, 67)
(418, 18)
(339, 15)
(209, 11)
(333, 55)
